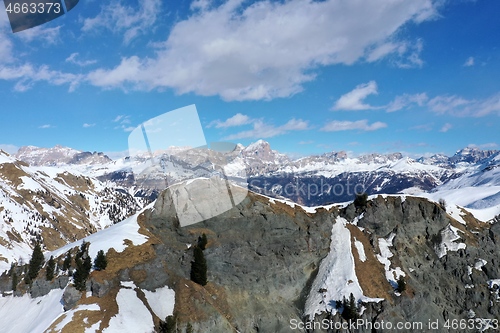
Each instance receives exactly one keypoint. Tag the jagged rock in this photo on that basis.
(99, 289)
(70, 297)
(41, 287)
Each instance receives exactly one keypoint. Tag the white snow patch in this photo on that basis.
(161, 301)
(29, 184)
(391, 274)
(68, 316)
(93, 328)
(449, 235)
(132, 316)
(336, 275)
(494, 283)
(127, 284)
(479, 264)
(30, 315)
(112, 237)
(361, 250)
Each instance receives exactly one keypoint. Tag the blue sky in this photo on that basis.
(418, 76)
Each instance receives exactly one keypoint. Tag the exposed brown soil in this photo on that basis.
(370, 273)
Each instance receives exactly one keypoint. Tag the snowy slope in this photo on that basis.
(135, 315)
(336, 276)
(53, 205)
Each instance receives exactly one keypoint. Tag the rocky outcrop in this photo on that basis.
(263, 257)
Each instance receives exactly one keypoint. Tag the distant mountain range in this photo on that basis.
(313, 180)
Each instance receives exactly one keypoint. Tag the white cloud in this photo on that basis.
(489, 145)
(413, 59)
(11, 149)
(120, 18)
(86, 125)
(263, 50)
(236, 120)
(459, 106)
(446, 127)
(353, 100)
(5, 48)
(41, 33)
(406, 101)
(27, 75)
(45, 126)
(123, 123)
(380, 51)
(469, 62)
(362, 125)
(449, 104)
(262, 130)
(423, 127)
(403, 54)
(82, 63)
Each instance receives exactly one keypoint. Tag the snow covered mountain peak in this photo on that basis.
(59, 155)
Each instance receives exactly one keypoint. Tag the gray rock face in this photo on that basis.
(263, 257)
(70, 297)
(41, 287)
(99, 289)
(444, 288)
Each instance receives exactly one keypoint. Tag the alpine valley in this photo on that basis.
(304, 251)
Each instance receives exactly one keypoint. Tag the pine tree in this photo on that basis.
(35, 264)
(169, 325)
(189, 328)
(350, 311)
(361, 200)
(81, 273)
(199, 267)
(87, 266)
(83, 249)
(353, 307)
(51, 265)
(202, 242)
(67, 262)
(14, 280)
(100, 261)
(401, 284)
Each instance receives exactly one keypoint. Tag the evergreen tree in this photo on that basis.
(401, 284)
(189, 328)
(442, 203)
(35, 264)
(100, 261)
(81, 273)
(361, 200)
(169, 325)
(353, 307)
(350, 311)
(199, 267)
(14, 280)
(82, 250)
(202, 242)
(87, 266)
(67, 262)
(51, 265)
